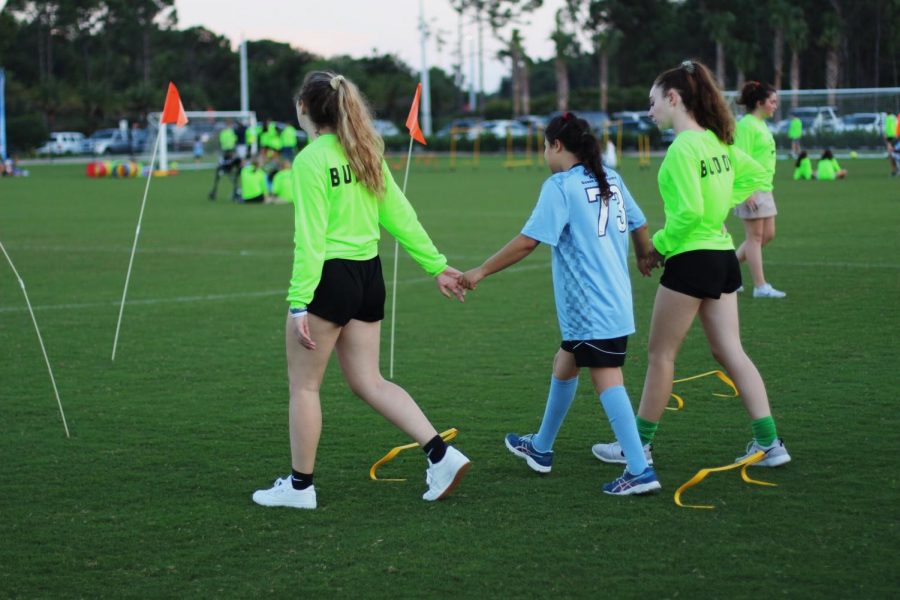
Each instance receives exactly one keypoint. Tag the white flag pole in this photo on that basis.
(40, 339)
(396, 256)
(137, 232)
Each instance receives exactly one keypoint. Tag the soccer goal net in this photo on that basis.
(199, 138)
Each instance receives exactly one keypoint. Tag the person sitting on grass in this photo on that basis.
(283, 184)
(254, 187)
(828, 168)
(803, 168)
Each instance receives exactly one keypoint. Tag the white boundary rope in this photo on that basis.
(40, 339)
(396, 254)
(137, 233)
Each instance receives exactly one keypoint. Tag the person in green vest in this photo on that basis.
(803, 167)
(828, 168)
(283, 184)
(269, 139)
(251, 136)
(288, 142)
(758, 210)
(795, 132)
(227, 141)
(890, 134)
(254, 186)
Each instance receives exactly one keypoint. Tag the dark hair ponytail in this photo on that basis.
(754, 93)
(701, 97)
(800, 157)
(576, 136)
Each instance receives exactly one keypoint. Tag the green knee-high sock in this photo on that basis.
(646, 429)
(764, 431)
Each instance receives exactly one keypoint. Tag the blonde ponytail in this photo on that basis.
(334, 101)
(362, 144)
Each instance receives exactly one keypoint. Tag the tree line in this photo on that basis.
(85, 64)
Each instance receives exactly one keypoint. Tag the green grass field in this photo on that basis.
(151, 495)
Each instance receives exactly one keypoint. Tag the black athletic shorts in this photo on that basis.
(597, 353)
(350, 289)
(703, 273)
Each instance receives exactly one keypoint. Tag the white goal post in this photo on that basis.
(247, 117)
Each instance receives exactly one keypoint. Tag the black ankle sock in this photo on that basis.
(435, 449)
(301, 481)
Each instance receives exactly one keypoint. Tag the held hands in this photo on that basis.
(469, 280)
(448, 283)
(647, 263)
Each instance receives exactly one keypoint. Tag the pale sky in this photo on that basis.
(357, 27)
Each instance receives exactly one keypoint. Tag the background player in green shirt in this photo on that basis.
(828, 169)
(758, 212)
(795, 132)
(345, 193)
(890, 134)
(701, 178)
(803, 167)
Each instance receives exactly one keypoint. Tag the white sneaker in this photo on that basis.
(443, 477)
(767, 291)
(284, 494)
(612, 453)
(776, 454)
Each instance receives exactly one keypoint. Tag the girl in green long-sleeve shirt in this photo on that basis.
(701, 178)
(345, 193)
(758, 211)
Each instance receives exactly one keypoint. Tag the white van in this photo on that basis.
(62, 142)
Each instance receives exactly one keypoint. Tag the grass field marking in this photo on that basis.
(385, 255)
(208, 297)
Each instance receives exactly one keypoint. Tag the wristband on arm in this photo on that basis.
(296, 313)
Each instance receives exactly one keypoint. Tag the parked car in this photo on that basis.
(632, 121)
(871, 122)
(62, 142)
(818, 118)
(457, 126)
(596, 119)
(385, 128)
(107, 141)
(499, 128)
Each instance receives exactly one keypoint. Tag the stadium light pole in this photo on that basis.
(245, 89)
(426, 82)
(2, 114)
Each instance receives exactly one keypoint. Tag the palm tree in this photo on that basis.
(719, 24)
(831, 40)
(565, 45)
(796, 34)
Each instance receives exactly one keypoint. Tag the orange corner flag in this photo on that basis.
(173, 111)
(412, 121)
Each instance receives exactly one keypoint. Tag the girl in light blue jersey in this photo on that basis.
(585, 214)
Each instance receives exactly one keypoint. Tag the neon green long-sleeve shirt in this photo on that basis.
(804, 170)
(753, 137)
(336, 216)
(700, 180)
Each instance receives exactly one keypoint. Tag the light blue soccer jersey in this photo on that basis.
(589, 238)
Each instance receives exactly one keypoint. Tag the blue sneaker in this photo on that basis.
(629, 484)
(523, 448)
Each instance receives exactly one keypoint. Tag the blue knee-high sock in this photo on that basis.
(558, 402)
(621, 417)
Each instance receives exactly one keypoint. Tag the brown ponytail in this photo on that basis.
(334, 101)
(701, 97)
